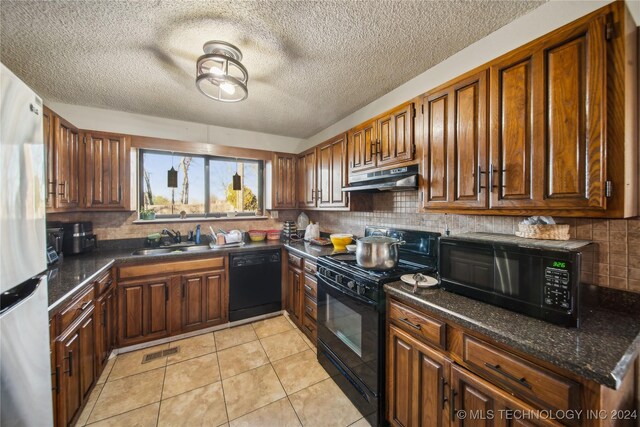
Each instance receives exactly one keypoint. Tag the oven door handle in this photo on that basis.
(370, 303)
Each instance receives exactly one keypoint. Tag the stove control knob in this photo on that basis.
(338, 278)
(351, 284)
(361, 289)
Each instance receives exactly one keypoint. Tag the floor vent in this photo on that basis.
(170, 351)
(152, 356)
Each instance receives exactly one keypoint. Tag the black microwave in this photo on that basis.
(537, 278)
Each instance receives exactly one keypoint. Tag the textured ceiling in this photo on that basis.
(310, 63)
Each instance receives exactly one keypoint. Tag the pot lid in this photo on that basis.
(378, 239)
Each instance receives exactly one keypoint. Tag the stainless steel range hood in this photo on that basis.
(399, 179)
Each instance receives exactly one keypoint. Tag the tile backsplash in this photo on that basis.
(119, 225)
(617, 265)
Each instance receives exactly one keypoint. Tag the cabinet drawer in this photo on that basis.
(155, 269)
(309, 328)
(310, 308)
(522, 376)
(310, 268)
(311, 287)
(103, 284)
(72, 311)
(295, 261)
(430, 329)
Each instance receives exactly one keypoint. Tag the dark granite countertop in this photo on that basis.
(309, 250)
(602, 349)
(72, 273)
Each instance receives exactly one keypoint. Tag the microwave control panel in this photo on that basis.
(557, 288)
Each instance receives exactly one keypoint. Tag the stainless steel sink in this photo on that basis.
(171, 249)
(152, 251)
(195, 248)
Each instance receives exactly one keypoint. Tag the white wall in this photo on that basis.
(538, 22)
(138, 124)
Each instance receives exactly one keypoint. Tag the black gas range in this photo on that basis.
(351, 316)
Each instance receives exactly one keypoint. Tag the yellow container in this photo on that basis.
(340, 241)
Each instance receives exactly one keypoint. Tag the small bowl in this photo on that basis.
(341, 240)
(351, 248)
(273, 234)
(257, 235)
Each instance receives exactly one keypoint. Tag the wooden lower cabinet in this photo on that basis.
(143, 310)
(105, 328)
(75, 357)
(294, 294)
(203, 301)
(416, 379)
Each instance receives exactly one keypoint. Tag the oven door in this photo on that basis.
(349, 326)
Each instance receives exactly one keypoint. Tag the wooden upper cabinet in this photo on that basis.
(548, 105)
(361, 149)
(455, 144)
(67, 165)
(306, 176)
(284, 181)
(395, 136)
(50, 156)
(332, 173)
(383, 141)
(106, 158)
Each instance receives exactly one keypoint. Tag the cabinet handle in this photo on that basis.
(307, 288)
(63, 186)
(479, 178)
(499, 370)
(491, 186)
(313, 194)
(443, 398)
(308, 309)
(70, 370)
(452, 404)
(85, 305)
(373, 148)
(52, 186)
(308, 329)
(119, 193)
(56, 382)
(413, 325)
(379, 148)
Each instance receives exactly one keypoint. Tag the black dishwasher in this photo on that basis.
(254, 284)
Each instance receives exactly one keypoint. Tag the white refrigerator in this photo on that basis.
(25, 371)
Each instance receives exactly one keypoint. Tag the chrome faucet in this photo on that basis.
(174, 235)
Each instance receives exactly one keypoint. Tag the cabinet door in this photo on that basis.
(87, 354)
(455, 154)
(416, 377)
(294, 303)
(513, 139)
(70, 386)
(307, 179)
(395, 136)
(435, 151)
(214, 299)
(572, 66)
(484, 404)
(106, 159)
(143, 307)
(50, 156)
(284, 181)
(203, 300)
(332, 173)
(104, 329)
(361, 150)
(192, 286)
(67, 166)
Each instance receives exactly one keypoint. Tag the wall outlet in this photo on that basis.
(274, 214)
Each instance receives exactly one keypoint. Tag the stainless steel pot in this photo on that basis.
(378, 252)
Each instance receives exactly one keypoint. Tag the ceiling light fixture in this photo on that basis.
(220, 75)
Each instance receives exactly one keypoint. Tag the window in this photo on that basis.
(205, 185)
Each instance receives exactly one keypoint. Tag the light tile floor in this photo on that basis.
(261, 374)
